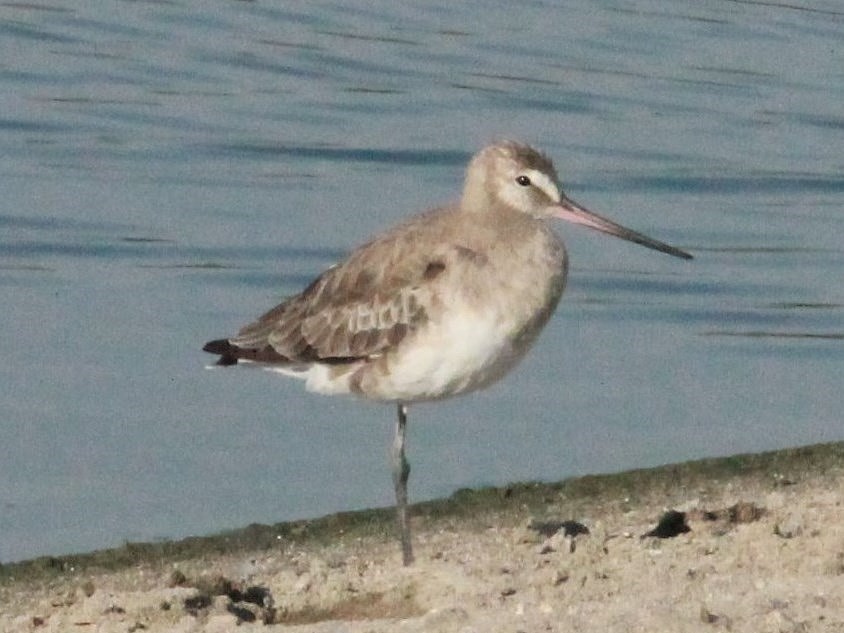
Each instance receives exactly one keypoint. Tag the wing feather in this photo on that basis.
(358, 309)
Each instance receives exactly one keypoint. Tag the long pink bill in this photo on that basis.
(572, 212)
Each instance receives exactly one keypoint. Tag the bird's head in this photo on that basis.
(519, 178)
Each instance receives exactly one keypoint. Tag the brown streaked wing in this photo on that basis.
(363, 328)
(255, 334)
(359, 308)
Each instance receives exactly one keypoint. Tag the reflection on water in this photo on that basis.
(172, 170)
(243, 150)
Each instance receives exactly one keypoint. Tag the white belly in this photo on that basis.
(461, 354)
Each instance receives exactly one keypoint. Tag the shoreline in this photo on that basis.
(755, 522)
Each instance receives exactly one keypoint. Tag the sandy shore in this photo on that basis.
(760, 547)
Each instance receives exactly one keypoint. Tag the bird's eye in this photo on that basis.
(524, 181)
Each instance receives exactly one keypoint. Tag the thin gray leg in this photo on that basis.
(401, 472)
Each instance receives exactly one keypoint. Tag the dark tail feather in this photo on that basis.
(230, 354)
(227, 352)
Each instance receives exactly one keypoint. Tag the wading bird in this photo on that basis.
(445, 303)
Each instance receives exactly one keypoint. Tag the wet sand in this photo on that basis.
(754, 543)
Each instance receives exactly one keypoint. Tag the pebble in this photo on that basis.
(790, 527)
(220, 623)
(671, 523)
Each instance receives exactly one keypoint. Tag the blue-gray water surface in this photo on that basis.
(172, 169)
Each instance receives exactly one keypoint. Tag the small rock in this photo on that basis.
(242, 612)
(558, 543)
(707, 617)
(185, 624)
(789, 528)
(195, 604)
(177, 579)
(253, 594)
(670, 524)
(220, 624)
(68, 600)
(220, 604)
(217, 585)
(777, 620)
(303, 584)
(783, 480)
(550, 528)
(745, 512)
(270, 616)
(444, 619)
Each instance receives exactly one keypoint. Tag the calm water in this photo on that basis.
(170, 170)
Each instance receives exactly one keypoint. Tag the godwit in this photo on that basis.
(443, 304)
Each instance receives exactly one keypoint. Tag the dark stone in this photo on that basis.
(550, 528)
(670, 524)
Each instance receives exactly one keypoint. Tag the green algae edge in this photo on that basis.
(469, 508)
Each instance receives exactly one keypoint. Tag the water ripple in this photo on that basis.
(258, 149)
(711, 185)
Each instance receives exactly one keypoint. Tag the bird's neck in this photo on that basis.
(476, 195)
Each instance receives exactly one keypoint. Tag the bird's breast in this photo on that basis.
(483, 315)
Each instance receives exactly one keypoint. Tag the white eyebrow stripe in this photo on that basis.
(543, 182)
